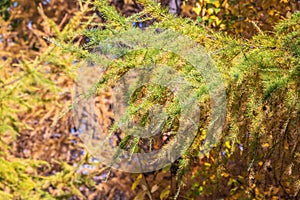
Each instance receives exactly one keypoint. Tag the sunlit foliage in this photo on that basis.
(244, 17)
(41, 44)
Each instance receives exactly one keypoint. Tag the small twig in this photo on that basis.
(63, 21)
(13, 81)
(145, 179)
(148, 187)
(257, 27)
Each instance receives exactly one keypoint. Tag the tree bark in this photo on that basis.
(174, 7)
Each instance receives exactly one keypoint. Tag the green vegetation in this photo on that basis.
(257, 157)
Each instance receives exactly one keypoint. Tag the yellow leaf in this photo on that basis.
(203, 135)
(165, 193)
(218, 21)
(136, 182)
(210, 11)
(265, 145)
(227, 144)
(217, 4)
(207, 164)
(197, 9)
(205, 18)
(224, 174)
(213, 17)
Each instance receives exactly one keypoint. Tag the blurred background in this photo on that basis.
(41, 156)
